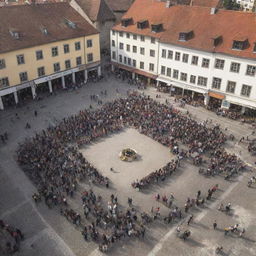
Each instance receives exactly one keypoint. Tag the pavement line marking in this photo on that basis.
(159, 245)
(13, 209)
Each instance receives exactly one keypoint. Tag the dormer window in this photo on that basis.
(15, 34)
(126, 22)
(157, 28)
(239, 45)
(217, 40)
(142, 24)
(185, 36)
(70, 24)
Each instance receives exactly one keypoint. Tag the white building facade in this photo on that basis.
(140, 54)
(228, 78)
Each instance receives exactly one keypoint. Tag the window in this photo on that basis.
(134, 49)
(113, 55)
(66, 48)
(152, 53)
(183, 36)
(121, 46)
(77, 46)
(89, 57)
(120, 58)
(40, 71)
(39, 55)
(177, 55)
(169, 72)
(20, 59)
(156, 28)
(2, 63)
(129, 61)
(78, 61)
(250, 70)
(125, 60)
(192, 79)
(163, 53)
(185, 58)
(113, 32)
(231, 86)
(127, 35)
(219, 63)
(4, 82)
(134, 37)
(170, 55)
(153, 40)
(205, 63)
(238, 45)
(113, 43)
(235, 67)
(216, 83)
(151, 67)
(183, 76)
(163, 70)
(56, 67)
(54, 51)
(23, 76)
(89, 43)
(141, 65)
(202, 81)
(142, 50)
(128, 47)
(134, 63)
(121, 34)
(142, 38)
(67, 64)
(246, 90)
(194, 60)
(175, 73)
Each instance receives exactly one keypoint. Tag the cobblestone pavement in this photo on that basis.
(47, 233)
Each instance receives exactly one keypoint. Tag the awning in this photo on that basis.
(216, 95)
(143, 73)
(122, 66)
(163, 80)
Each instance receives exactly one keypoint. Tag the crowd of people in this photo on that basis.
(10, 238)
(53, 162)
(156, 176)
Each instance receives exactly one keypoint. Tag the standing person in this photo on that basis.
(35, 113)
(214, 225)
(190, 219)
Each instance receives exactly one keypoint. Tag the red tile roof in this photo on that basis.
(205, 26)
(119, 5)
(97, 10)
(30, 20)
(206, 3)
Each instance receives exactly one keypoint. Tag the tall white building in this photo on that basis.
(202, 50)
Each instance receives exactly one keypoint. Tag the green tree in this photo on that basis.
(231, 5)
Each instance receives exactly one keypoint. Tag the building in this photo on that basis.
(99, 14)
(119, 7)
(247, 5)
(45, 45)
(193, 49)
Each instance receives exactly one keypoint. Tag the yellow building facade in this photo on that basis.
(32, 67)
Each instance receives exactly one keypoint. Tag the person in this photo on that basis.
(214, 225)
(190, 219)
(129, 201)
(35, 113)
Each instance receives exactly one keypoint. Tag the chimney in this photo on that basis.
(213, 10)
(168, 4)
